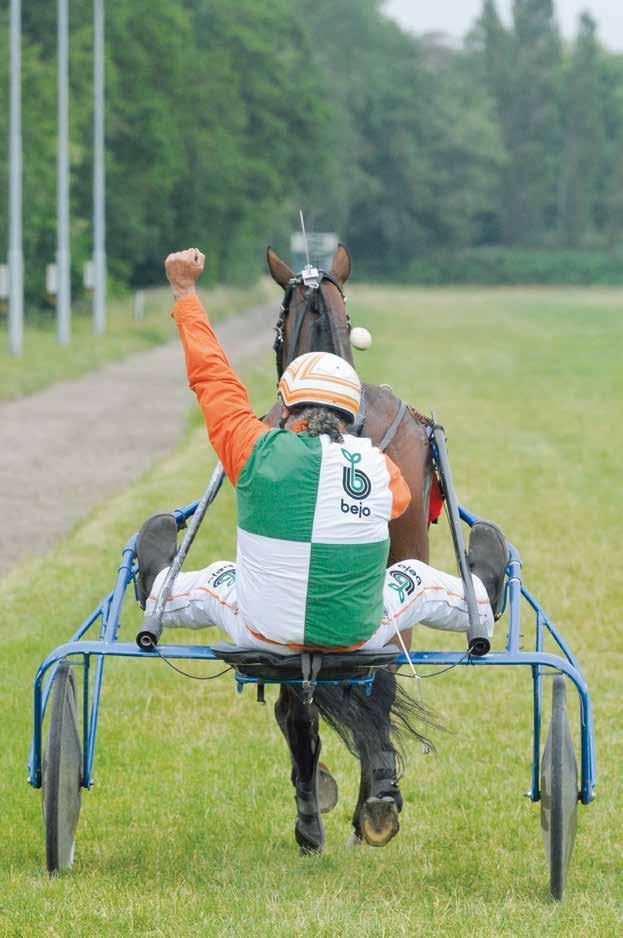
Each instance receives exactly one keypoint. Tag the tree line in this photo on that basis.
(501, 159)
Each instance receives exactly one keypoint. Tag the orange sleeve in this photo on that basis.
(232, 426)
(401, 494)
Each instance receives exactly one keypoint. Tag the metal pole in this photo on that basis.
(99, 194)
(478, 643)
(63, 261)
(16, 257)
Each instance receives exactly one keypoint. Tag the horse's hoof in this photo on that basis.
(327, 789)
(354, 841)
(379, 821)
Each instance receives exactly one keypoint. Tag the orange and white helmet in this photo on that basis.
(321, 378)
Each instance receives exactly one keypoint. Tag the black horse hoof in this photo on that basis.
(327, 789)
(379, 821)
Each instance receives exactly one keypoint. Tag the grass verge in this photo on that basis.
(45, 362)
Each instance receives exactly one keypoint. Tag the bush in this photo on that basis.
(520, 267)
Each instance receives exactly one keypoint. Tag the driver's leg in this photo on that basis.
(200, 598)
(416, 593)
(203, 598)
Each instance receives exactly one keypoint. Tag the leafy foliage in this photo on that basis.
(223, 119)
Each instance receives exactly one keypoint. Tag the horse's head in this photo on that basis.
(313, 315)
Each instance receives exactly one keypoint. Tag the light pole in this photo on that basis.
(16, 257)
(63, 262)
(99, 183)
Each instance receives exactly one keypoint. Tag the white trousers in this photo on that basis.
(414, 593)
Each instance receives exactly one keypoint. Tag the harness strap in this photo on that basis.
(310, 666)
(391, 431)
(284, 311)
(360, 416)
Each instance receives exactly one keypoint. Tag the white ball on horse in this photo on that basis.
(360, 338)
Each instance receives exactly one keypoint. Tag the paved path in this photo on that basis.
(67, 448)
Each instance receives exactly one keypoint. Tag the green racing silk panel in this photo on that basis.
(344, 593)
(278, 485)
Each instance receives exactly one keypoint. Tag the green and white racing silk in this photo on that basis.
(312, 539)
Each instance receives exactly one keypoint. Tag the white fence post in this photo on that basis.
(139, 305)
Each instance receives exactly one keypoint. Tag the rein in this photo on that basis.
(315, 302)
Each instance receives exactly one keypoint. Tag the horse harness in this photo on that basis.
(315, 303)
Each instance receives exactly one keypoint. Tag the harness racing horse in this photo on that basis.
(314, 318)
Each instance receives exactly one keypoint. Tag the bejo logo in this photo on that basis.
(403, 584)
(227, 576)
(356, 483)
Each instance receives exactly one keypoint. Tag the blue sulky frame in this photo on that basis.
(108, 613)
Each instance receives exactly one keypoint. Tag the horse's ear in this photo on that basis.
(340, 265)
(279, 270)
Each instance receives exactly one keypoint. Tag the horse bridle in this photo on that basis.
(315, 302)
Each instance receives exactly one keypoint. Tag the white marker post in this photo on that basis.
(139, 305)
(4, 282)
(51, 282)
(88, 276)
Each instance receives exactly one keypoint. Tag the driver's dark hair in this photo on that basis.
(320, 419)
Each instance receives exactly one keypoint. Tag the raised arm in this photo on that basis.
(232, 426)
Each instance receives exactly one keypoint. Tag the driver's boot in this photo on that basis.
(488, 558)
(156, 547)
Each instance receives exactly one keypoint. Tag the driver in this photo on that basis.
(314, 503)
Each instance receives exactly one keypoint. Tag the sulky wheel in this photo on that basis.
(62, 772)
(559, 791)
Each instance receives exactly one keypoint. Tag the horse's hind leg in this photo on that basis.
(299, 723)
(327, 785)
(376, 815)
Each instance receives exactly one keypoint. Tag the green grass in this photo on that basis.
(45, 361)
(188, 830)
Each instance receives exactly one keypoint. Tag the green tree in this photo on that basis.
(467, 158)
(262, 146)
(39, 173)
(533, 130)
(584, 135)
(490, 48)
(418, 146)
(609, 176)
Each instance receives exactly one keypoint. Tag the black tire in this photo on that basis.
(62, 772)
(559, 792)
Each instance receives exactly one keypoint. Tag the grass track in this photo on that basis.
(188, 830)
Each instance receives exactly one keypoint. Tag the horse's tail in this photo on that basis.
(367, 724)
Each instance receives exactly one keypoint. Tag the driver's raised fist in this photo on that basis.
(182, 269)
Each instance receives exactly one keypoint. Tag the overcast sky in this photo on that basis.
(456, 16)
